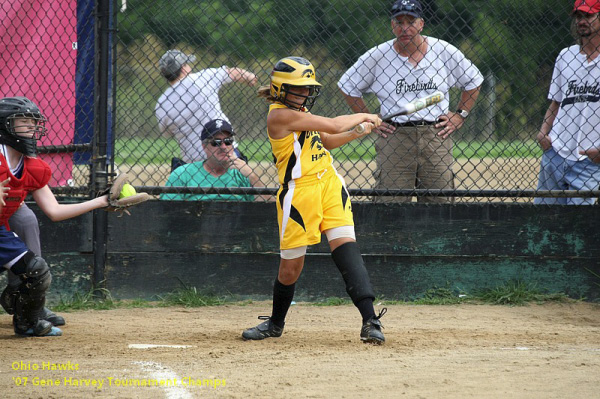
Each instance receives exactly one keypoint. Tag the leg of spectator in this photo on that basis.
(551, 177)
(396, 163)
(435, 164)
(583, 175)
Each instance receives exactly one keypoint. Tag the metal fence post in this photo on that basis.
(101, 161)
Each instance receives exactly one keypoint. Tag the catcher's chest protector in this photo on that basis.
(36, 174)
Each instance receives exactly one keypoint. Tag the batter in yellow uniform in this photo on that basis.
(313, 198)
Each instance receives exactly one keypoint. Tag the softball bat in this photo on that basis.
(416, 105)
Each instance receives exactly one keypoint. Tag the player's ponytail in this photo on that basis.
(265, 92)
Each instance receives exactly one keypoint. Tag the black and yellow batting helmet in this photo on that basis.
(294, 72)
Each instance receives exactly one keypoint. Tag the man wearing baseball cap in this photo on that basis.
(413, 151)
(587, 6)
(192, 100)
(171, 62)
(221, 168)
(570, 132)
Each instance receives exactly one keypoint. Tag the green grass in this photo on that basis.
(190, 297)
(145, 151)
(511, 293)
(333, 301)
(518, 293)
(99, 299)
(160, 150)
(93, 299)
(440, 296)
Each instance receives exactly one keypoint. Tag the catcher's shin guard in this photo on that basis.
(35, 280)
(349, 261)
(8, 298)
(8, 301)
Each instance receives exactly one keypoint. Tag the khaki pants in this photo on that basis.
(414, 158)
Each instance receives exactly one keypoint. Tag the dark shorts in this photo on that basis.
(11, 246)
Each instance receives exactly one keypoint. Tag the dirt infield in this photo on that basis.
(467, 351)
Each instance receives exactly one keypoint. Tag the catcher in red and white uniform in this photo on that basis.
(21, 125)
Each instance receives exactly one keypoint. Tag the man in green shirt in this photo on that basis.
(222, 168)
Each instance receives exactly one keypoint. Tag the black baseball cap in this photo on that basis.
(407, 7)
(215, 126)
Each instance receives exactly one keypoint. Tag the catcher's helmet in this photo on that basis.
(297, 72)
(12, 108)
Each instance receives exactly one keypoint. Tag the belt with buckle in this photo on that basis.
(412, 123)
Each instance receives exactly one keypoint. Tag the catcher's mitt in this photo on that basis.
(118, 202)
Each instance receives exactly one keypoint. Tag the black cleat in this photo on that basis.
(264, 330)
(52, 317)
(371, 333)
(41, 328)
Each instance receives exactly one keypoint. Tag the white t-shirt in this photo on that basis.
(576, 86)
(17, 169)
(395, 81)
(184, 108)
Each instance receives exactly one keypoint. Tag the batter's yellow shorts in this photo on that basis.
(308, 206)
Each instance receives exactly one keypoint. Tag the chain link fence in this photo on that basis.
(494, 156)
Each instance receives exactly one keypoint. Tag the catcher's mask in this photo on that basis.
(296, 72)
(13, 109)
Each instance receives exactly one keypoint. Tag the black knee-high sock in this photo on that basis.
(282, 299)
(366, 309)
(349, 261)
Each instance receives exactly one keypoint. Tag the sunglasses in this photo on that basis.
(218, 142)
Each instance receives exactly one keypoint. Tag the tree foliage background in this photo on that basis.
(514, 43)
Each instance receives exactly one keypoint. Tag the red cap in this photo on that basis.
(587, 6)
